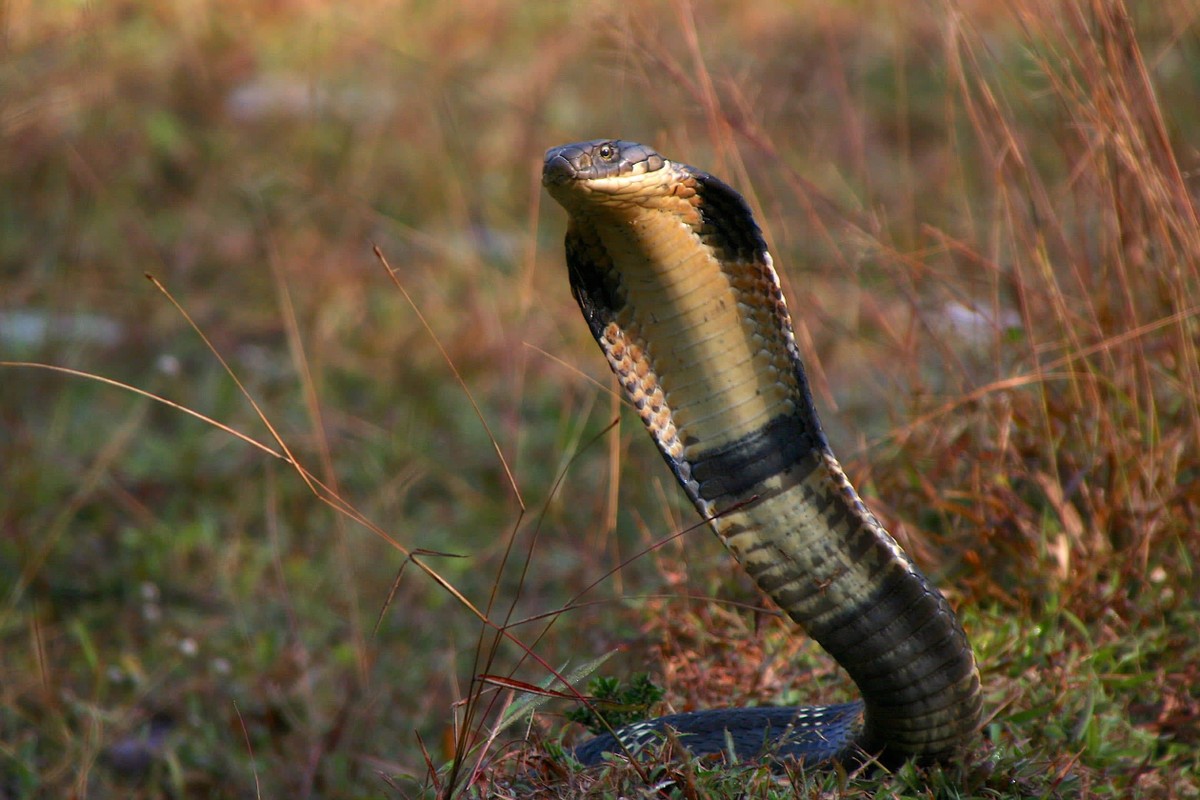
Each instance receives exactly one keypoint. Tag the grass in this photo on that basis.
(985, 218)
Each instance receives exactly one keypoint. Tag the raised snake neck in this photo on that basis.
(674, 279)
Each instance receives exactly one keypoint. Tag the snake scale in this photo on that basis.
(674, 279)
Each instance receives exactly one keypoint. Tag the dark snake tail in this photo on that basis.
(674, 279)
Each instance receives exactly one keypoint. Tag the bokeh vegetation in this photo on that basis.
(985, 216)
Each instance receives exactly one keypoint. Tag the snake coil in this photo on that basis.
(675, 282)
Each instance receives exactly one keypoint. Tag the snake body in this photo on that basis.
(673, 276)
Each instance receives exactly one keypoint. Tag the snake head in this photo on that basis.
(602, 167)
(599, 158)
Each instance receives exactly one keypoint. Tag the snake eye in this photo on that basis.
(606, 152)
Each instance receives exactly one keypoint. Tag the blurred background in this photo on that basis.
(984, 216)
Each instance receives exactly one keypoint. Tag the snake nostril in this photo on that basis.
(557, 168)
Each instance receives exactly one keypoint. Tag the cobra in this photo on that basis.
(673, 277)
